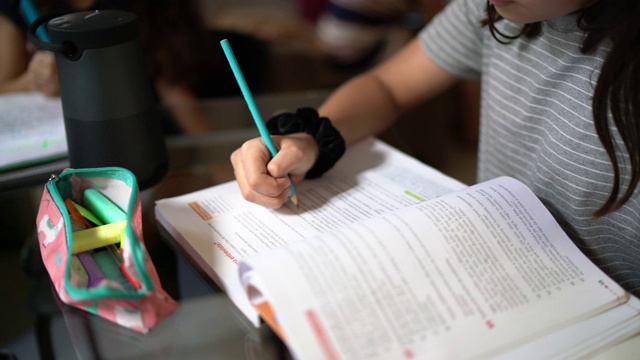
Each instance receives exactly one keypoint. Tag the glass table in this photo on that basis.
(206, 325)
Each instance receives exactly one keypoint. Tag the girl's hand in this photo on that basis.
(262, 180)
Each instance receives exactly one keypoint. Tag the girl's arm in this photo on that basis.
(363, 106)
(184, 107)
(371, 102)
(18, 72)
(13, 57)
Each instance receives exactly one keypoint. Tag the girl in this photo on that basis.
(560, 112)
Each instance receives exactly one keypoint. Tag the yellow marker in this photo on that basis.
(98, 236)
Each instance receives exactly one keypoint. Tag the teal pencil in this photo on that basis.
(253, 108)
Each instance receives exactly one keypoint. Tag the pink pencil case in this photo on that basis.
(107, 271)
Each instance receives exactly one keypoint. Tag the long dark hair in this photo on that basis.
(618, 87)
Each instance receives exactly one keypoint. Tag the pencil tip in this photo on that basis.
(294, 200)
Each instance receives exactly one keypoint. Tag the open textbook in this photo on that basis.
(400, 261)
(31, 130)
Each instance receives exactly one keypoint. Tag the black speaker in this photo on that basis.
(107, 97)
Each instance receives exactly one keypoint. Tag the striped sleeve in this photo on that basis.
(453, 39)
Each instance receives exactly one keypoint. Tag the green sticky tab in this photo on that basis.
(87, 214)
(415, 196)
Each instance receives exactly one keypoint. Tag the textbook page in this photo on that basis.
(31, 130)
(218, 228)
(466, 275)
(584, 338)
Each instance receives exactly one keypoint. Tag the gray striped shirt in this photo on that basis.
(536, 125)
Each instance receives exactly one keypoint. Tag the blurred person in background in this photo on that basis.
(354, 35)
(183, 57)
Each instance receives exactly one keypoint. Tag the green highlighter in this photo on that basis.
(102, 207)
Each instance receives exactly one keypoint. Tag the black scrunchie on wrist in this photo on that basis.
(307, 120)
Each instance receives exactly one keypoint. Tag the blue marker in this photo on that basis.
(253, 108)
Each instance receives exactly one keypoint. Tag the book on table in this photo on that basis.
(31, 130)
(385, 257)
